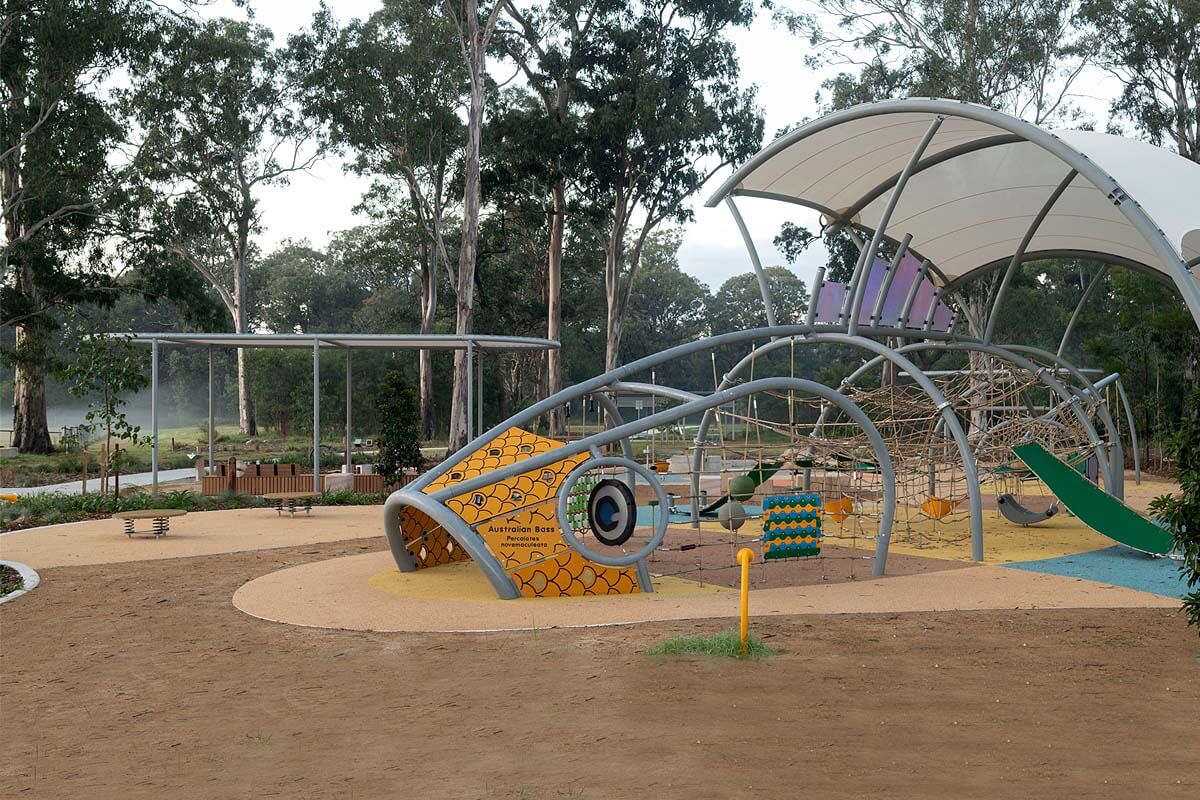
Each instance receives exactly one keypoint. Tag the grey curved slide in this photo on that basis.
(1015, 512)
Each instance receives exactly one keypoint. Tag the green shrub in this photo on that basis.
(399, 427)
(1182, 514)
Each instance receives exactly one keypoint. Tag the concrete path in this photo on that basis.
(133, 479)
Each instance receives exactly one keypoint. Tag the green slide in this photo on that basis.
(760, 475)
(1101, 512)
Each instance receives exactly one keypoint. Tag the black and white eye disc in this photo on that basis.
(612, 512)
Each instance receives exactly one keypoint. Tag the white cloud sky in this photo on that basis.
(320, 202)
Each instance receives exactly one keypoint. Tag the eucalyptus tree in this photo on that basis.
(388, 91)
(1153, 48)
(438, 54)
(219, 123)
(661, 112)
(550, 44)
(60, 173)
(474, 27)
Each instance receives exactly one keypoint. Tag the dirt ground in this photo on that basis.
(142, 680)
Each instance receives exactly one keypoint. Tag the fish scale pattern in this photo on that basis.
(518, 521)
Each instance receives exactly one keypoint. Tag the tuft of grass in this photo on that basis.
(726, 644)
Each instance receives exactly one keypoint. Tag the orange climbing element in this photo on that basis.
(937, 508)
(839, 509)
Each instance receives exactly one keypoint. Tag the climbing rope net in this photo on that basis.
(769, 447)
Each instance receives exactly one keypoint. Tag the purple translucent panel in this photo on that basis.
(920, 306)
(874, 284)
(943, 317)
(829, 302)
(906, 274)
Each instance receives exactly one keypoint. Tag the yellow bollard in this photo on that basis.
(745, 556)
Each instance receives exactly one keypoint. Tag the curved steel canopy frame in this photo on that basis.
(433, 503)
(1175, 267)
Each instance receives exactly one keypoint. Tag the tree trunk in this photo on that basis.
(31, 433)
(977, 313)
(476, 52)
(557, 419)
(615, 319)
(425, 357)
(246, 422)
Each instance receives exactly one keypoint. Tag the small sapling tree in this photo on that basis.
(399, 427)
(106, 369)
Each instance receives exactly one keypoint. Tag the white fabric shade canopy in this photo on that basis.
(980, 184)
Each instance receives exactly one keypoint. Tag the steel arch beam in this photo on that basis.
(432, 504)
(882, 351)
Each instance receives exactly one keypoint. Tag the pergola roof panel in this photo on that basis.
(352, 341)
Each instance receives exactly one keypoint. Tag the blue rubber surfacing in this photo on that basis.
(1117, 565)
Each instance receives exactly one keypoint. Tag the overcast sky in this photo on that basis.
(318, 203)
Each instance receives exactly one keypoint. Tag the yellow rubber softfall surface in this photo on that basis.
(364, 592)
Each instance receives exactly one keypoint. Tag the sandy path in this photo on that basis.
(141, 680)
(202, 533)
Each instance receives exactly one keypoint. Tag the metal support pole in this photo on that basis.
(1002, 292)
(212, 434)
(763, 287)
(470, 388)
(1087, 295)
(478, 395)
(154, 416)
(349, 409)
(865, 259)
(889, 277)
(316, 415)
(906, 310)
(818, 283)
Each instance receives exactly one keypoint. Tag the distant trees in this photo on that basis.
(661, 112)
(1153, 47)
(220, 124)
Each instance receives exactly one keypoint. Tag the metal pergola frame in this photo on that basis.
(347, 342)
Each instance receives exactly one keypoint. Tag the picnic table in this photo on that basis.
(289, 501)
(160, 526)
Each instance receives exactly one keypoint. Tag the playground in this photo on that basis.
(952, 554)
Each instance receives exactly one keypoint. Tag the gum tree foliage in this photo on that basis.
(550, 44)
(738, 304)
(61, 175)
(667, 307)
(399, 427)
(302, 290)
(1153, 48)
(216, 107)
(661, 112)
(389, 91)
